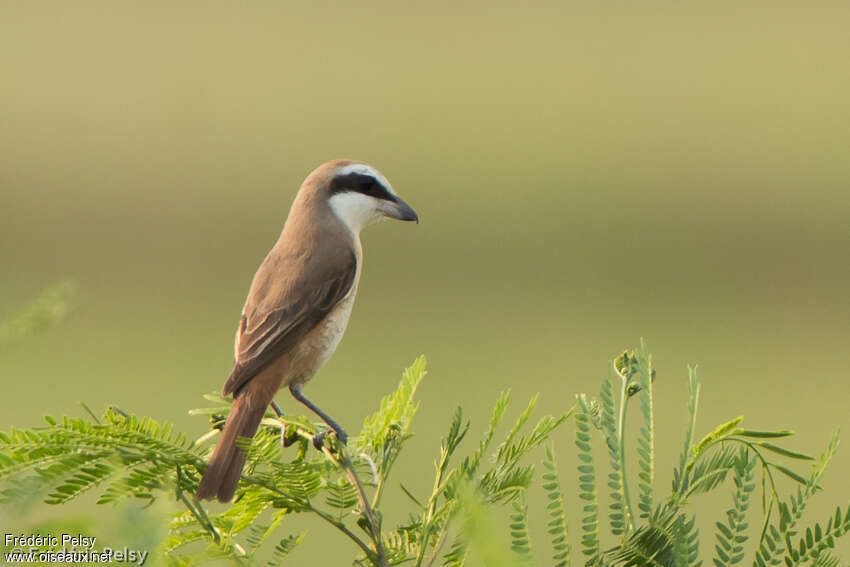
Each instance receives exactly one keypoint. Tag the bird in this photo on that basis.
(299, 304)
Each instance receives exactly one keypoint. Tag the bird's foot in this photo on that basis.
(319, 438)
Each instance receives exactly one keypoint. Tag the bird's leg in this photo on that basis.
(276, 409)
(279, 412)
(318, 439)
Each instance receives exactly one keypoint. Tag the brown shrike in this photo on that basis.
(299, 304)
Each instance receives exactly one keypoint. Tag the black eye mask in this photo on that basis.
(361, 183)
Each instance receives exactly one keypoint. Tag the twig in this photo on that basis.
(441, 541)
(378, 555)
(327, 517)
(90, 412)
(345, 464)
(428, 513)
(765, 464)
(202, 518)
(621, 427)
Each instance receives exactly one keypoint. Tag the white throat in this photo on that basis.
(355, 210)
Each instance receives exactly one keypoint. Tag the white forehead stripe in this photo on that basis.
(364, 169)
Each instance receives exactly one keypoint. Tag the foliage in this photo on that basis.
(557, 524)
(661, 532)
(49, 308)
(121, 457)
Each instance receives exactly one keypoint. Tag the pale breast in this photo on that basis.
(333, 329)
(320, 343)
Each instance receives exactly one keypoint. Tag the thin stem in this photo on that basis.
(767, 504)
(621, 426)
(197, 509)
(377, 477)
(203, 513)
(428, 513)
(426, 533)
(693, 424)
(438, 481)
(765, 467)
(441, 540)
(325, 516)
(202, 519)
(765, 463)
(684, 463)
(344, 529)
(766, 519)
(90, 412)
(379, 487)
(345, 464)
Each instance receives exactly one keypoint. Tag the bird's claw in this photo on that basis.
(319, 438)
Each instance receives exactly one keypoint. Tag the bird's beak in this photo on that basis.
(398, 209)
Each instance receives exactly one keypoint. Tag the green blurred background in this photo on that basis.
(586, 174)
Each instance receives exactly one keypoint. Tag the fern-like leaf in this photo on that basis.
(587, 482)
(457, 553)
(260, 533)
(825, 560)
(400, 546)
(646, 439)
(342, 495)
(776, 539)
(616, 515)
(520, 541)
(680, 476)
(396, 411)
(667, 540)
(73, 455)
(817, 541)
(557, 524)
(710, 469)
(284, 547)
(732, 534)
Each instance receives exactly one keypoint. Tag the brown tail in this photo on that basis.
(225, 466)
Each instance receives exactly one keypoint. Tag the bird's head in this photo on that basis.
(359, 195)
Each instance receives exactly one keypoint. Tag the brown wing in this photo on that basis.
(285, 311)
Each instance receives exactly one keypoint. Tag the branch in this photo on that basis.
(380, 558)
(325, 516)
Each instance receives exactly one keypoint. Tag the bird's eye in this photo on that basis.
(375, 189)
(360, 183)
(365, 183)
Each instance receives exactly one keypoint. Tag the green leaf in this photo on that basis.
(396, 409)
(785, 452)
(789, 473)
(720, 432)
(284, 547)
(754, 434)
(557, 524)
(732, 534)
(587, 490)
